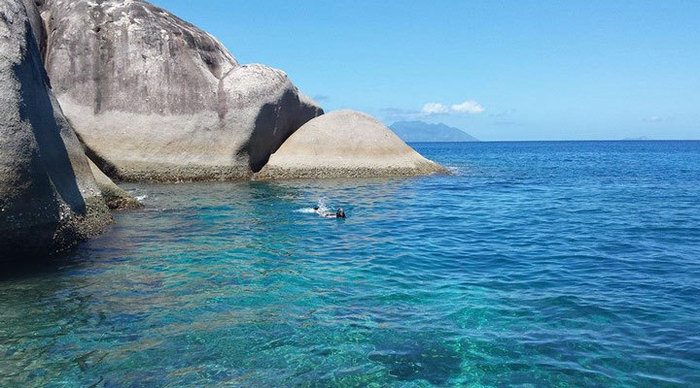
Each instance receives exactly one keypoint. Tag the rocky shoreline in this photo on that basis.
(150, 97)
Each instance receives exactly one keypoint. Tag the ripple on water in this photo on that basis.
(535, 263)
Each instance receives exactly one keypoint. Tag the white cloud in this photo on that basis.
(470, 106)
(658, 119)
(434, 108)
(467, 107)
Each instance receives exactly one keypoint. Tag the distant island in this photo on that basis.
(420, 131)
(640, 138)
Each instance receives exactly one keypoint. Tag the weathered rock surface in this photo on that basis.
(48, 196)
(115, 197)
(345, 144)
(155, 98)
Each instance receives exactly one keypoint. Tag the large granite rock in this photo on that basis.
(155, 98)
(345, 144)
(48, 196)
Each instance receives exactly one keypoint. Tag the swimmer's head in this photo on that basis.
(340, 213)
(315, 207)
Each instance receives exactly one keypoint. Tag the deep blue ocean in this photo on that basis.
(535, 264)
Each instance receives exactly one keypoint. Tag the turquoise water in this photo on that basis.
(562, 264)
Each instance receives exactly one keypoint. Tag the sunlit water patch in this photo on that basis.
(537, 263)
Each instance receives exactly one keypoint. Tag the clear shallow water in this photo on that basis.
(562, 264)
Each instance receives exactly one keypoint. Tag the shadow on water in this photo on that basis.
(33, 266)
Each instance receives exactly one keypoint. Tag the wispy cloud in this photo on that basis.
(321, 98)
(394, 114)
(502, 113)
(657, 119)
(507, 123)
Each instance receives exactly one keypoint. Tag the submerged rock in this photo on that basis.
(48, 197)
(345, 144)
(155, 98)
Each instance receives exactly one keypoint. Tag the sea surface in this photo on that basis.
(535, 264)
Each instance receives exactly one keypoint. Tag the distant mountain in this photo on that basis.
(419, 131)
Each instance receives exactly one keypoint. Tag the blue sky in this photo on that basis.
(500, 70)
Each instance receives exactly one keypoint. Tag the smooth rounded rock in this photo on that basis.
(345, 144)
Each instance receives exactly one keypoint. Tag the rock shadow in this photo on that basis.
(38, 110)
(274, 124)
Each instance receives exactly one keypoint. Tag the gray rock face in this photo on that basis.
(155, 98)
(48, 196)
(345, 144)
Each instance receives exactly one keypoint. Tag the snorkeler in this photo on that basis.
(340, 213)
